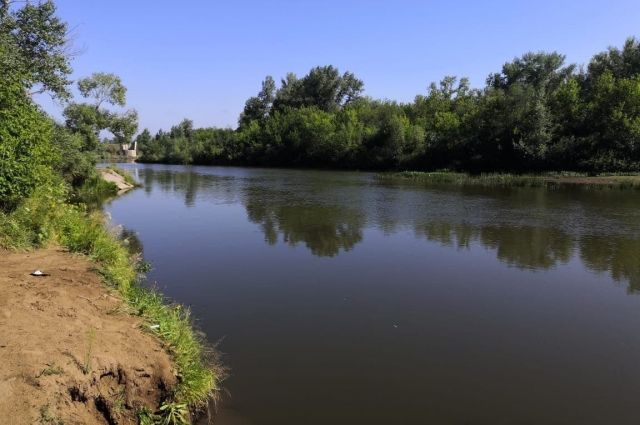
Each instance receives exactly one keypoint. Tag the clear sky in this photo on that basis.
(202, 59)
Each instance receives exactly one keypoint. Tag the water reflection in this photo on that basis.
(333, 287)
(524, 247)
(527, 228)
(617, 256)
(131, 241)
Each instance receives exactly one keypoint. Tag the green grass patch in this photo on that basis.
(51, 369)
(42, 219)
(548, 180)
(94, 191)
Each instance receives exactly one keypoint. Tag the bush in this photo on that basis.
(26, 152)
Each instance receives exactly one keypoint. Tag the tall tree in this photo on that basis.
(323, 87)
(258, 107)
(89, 119)
(42, 44)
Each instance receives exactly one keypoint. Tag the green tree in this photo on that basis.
(103, 87)
(89, 119)
(323, 87)
(258, 107)
(41, 44)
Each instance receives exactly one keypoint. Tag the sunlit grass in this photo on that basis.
(613, 181)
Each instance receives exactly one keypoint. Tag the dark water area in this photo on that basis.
(338, 298)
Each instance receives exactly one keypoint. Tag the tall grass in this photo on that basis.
(94, 192)
(515, 180)
(42, 219)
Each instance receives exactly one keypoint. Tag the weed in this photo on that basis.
(88, 354)
(147, 417)
(120, 402)
(47, 418)
(51, 369)
(174, 414)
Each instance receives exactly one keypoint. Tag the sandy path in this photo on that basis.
(69, 351)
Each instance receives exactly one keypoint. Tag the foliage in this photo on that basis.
(103, 87)
(94, 191)
(536, 114)
(40, 41)
(27, 154)
(75, 166)
(90, 119)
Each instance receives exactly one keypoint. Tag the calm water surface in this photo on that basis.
(341, 299)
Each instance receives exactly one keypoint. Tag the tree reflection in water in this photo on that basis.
(324, 230)
(329, 228)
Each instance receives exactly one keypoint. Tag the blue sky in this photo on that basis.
(202, 59)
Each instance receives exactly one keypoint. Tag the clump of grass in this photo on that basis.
(119, 403)
(175, 414)
(41, 220)
(147, 417)
(47, 418)
(88, 354)
(51, 369)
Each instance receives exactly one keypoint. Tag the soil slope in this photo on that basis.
(113, 177)
(70, 353)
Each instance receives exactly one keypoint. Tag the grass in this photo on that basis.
(47, 418)
(548, 180)
(51, 369)
(42, 219)
(88, 354)
(120, 403)
(94, 192)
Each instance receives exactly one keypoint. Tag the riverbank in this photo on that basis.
(122, 181)
(70, 349)
(44, 221)
(549, 180)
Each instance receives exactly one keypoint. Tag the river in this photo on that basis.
(338, 298)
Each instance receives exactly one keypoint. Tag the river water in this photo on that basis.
(338, 298)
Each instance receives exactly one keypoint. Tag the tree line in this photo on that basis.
(537, 113)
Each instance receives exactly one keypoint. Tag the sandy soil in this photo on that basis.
(69, 351)
(113, 177)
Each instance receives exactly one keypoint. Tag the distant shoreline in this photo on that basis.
(549, 180)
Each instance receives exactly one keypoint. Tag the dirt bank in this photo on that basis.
(69, 350)
(113, 177)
